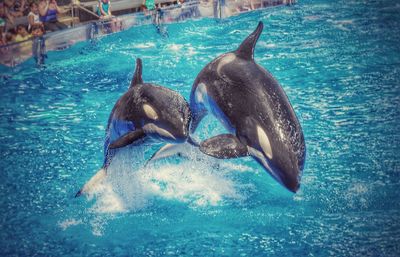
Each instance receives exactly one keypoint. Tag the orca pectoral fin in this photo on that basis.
(127, 139)
(169, 150)
(91, 184)
(224, 147)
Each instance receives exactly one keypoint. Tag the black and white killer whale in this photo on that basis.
(146, 112)
(255, 110)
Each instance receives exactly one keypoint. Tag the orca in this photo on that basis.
(145, 113)
(254, 109)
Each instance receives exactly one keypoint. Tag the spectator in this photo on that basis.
(22, 34)
(37, 30)
(104, 9)
(25, 10)
(15, 8)
(48, 10)
(148, 5)
(2, 32)
(33, 16)
(10, 36)
(3, 40)
(4, 15)
(104, 12)
(2, 24)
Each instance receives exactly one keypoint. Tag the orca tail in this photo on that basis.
(92, 183)
(246, 49)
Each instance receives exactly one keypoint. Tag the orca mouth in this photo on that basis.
(180, 133)
(290, 182)
(154, 131)
(179, 138)
(285, 178)
(172, 135)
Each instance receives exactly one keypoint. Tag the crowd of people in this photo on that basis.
(22, 19)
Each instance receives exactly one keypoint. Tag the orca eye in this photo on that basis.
(150, 112)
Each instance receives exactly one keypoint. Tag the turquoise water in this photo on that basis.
(339, 63)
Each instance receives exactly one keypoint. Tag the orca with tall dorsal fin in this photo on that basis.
(254, 109)
(146, 111)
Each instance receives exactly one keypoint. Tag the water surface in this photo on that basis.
(338, 62)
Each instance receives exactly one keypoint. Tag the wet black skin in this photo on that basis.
(172, 110)
(243, 95)
(171, 114)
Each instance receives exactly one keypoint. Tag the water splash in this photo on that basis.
(69, 223)
(197, 182)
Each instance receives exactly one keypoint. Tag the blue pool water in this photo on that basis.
(339, 63)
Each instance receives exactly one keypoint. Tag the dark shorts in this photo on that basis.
(54, 25)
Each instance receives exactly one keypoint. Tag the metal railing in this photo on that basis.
(16, 53)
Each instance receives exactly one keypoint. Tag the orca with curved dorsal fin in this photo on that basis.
(145, 111)
(254, 109)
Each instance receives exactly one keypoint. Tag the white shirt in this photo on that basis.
(35, 19)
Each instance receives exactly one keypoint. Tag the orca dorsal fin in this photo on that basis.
(137, 76)
(246, 49)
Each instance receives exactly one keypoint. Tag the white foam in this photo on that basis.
(195, 185)
(344, 22)
(97, 224)
(267, 45)
(175, 47)
(107, 201)
(144, 45)
(68, 223)
(120, 190)
(196, 182)
(191, 51)
(235, 167)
